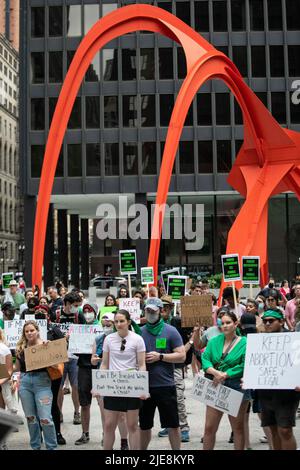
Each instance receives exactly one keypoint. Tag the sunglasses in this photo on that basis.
(122, 348)
(268, 320)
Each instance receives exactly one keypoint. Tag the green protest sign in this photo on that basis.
(128, 263)
(231, 268)
(6, 278)
(165, 274)
(147, 276)
(176, 287)
(250, 269)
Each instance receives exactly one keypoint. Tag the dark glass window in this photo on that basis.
(129, 111)
(93, 72)
(276, 61)
(205, 156)
(52, 105)
(224, 156)
(279, 106)
(295, 112)
(130, 154)
(222, 109)
(294, 61)
(256, 15)
(149, 158)
(220, 15)
(239, 56)
(204, 109)
(147, 64)
(166, 70)
(59, 173)
(238, 145)
(111, 157)
(74, 27)
(165, 6)
(201, 16)
(37, 67)
(258, 58)
(238, 115)
(37, 158)
(148, 110)
(275, 15)
(111, 111)
(189, 120)
(55, 21)
(70, 56)
(238, 15)
(93, 160)
(181, 63)
(75, 118)
(37, 114)
(55, 67)
(263, 96)
(292, 14)
(223, 49)
(166, 104)
(37, 22)
(186, 157)
(92, 112)
(128, 64)
(183, 11)
(74, 160)
(110, 64)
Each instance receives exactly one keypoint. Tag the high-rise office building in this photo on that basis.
(9, 21)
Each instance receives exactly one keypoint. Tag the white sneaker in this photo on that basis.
(263, 440)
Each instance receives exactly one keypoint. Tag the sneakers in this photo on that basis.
(263, 440)
(61, 441)
(77, 418)
(66, 390)
(163, 433)
(185, 436)
(84, 439)
(230, 440)
(124, 444)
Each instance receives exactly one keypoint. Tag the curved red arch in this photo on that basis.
(263, 136)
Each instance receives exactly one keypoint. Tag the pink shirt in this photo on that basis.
(290, 310)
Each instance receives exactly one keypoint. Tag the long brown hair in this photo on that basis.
(22, 343)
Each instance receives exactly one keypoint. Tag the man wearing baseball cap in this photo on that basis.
(279, 407)
(15, 297)
(164, 348)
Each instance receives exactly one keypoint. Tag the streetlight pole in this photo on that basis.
(21, 256)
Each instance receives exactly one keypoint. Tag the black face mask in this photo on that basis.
(40, 316)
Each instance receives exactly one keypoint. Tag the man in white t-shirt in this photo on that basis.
(229, 300)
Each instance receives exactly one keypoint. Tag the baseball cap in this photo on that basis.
(13, 283)
(154, 303)
(109, 316)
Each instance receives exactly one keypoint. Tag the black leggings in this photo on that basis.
(55, 385)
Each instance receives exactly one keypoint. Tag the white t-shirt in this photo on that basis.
(4, 351)
(241, 310)
(127, 359)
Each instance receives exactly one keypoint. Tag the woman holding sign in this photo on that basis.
(223, 362)
(35, 392)
(122, 350)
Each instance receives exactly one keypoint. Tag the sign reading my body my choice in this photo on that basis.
(231, 268)
(176, 287)
(128, 262)
(250, 269)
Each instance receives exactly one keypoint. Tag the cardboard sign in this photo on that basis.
(128, 263)
(6, 278)
(272, 361)
(250, 269)
(82, 338)
(3, 372)
(231, 268)
(196, 309)
(219, 397)
(13, 331)
(133, 307)
(117, 383)
(176, 287)
(147, 276)
(45, 355)
(165, 274)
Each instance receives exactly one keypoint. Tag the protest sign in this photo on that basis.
(250, 269)
(3, 372)
(82, 338)
(133, 307)
(147, 276)
(128, 263)
(45, 355)
(13, 331)
(272, 361)
(219, 397)
(113, 383)
(231, 268)
(176, 287)
(6, 278)
(105, 310)
(196, 309)
(164, 276)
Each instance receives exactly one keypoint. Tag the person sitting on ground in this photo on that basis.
(228, 299)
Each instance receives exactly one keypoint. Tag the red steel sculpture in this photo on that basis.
(268, 162)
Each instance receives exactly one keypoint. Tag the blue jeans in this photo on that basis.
(36, 397)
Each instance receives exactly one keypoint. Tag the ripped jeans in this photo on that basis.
(36, 397)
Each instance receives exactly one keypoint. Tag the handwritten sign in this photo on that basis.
(117, 383)
(196, 309)
(272, 361)
(231, 268)
(13, 331)
(82, 338)
(45, 355)
(133, 307)
(219, 397)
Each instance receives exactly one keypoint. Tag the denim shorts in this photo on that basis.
(71, 369)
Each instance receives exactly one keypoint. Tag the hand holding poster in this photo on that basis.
(45, 355)
(82, 338)
(117, 383)
(133, 307)
(219, 397)
(272, 361)
(176, 287)
(196, 309)
(13, 331)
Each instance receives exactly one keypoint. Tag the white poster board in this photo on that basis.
(272, 361)
(133, 307)
(13, 331)
(219, 397)
(82, 338)
(115, 383)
